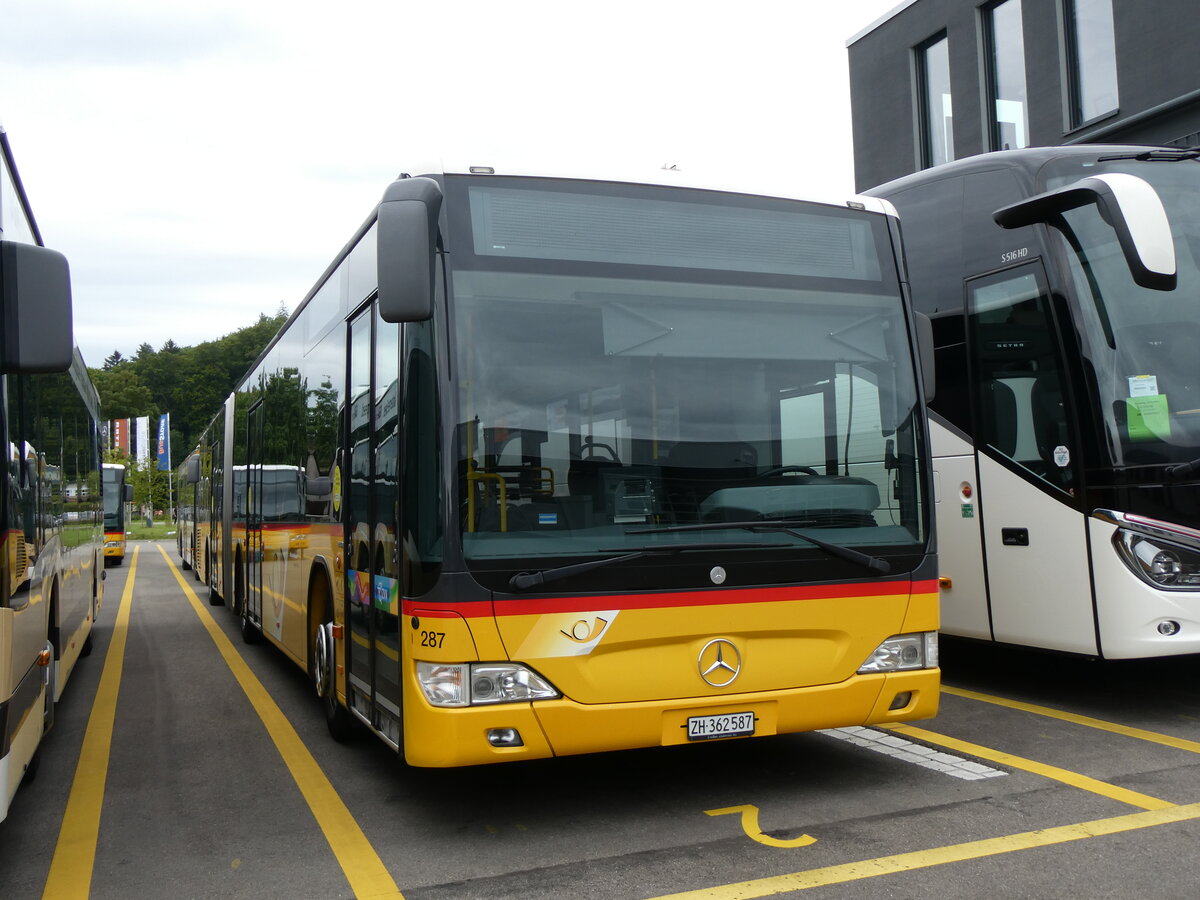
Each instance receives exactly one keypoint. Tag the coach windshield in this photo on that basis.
(1141, 343)
(645, 368)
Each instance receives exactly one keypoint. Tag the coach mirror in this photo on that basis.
(1130, 205)
(192, 473)
(925, 353)
(35, 290)
(407, 247)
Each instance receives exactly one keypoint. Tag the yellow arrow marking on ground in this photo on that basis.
(750, 826)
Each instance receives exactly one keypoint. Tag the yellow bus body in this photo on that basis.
(637, 684)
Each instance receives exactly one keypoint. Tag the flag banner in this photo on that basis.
(164, 442)
(120, 438)
(142, 436)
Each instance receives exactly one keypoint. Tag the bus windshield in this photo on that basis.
(1141, 343)
(634, 362)
(114, 501)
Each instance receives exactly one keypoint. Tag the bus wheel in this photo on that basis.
(250, 632)
(31, 769)
(323, 654)
(337, 718)
(48, 708)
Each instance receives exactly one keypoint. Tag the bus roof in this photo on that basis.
(1029, 160)
(782, 182)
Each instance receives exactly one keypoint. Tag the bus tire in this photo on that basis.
(31, 768)
(322, 654)
(250, 632)
(48, 707)
(341, 724)
(214, 596)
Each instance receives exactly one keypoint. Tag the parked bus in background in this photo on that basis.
(550, 465)
(187, 534)
(117, 495)
(1065, 297)
(50, 573)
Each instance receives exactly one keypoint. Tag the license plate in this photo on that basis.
(705, 728)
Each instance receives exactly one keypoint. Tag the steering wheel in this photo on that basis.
(780, 470)
(587, 451)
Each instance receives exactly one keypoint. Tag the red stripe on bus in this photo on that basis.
(673, 599)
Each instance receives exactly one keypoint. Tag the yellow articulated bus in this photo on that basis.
(117, 495)
(554, 465)
(51, 580)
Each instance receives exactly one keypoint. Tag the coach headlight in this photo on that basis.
(478, 684)
(902, 652)
(1164, 564)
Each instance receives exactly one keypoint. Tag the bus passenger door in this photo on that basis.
(373, 587)
(254, 522)
(1035, 541)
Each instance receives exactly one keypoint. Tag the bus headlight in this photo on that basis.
(477, 684)
(507, 683)
(1164, 564)
(902, 652)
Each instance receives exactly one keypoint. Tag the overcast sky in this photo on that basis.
(201, 164)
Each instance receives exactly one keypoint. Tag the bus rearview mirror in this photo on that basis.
(1129, 204)
(35, 290)
(925, 353)
(407, 247)
(192, 475)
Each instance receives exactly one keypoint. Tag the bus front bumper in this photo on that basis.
(464, 737)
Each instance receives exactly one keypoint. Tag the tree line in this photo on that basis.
(190, 383)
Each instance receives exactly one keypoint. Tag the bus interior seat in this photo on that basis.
(585, 479)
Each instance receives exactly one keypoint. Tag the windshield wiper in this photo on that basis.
(1161, 154)
(787, 526)
(525, 580)
(1182, 470)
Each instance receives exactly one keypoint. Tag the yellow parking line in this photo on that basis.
(923, 859)
(1074, 779)
(1138, 733)
(362, 866)
(75, 853)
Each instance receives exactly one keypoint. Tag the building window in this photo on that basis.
(933, 89)
(1091, 58)
(1009, 108)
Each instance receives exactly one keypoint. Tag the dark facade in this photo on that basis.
(944, 79)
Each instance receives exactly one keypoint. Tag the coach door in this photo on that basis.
(1034, 534)
(254, 510)
(373, 591)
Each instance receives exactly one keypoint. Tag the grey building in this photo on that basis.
(936, 80)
